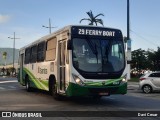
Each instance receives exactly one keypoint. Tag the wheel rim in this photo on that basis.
(147, 89)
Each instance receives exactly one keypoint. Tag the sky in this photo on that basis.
(26, 18)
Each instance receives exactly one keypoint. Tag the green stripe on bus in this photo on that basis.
(107, 82)
(78, 90)
(41, 84)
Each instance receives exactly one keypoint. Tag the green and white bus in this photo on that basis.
(76, 61)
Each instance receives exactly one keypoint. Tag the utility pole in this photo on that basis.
(49, 26)
(128, 41)
(128, 21)
(14, 38)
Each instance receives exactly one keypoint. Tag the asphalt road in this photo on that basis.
(13, 97)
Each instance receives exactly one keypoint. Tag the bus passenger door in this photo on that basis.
(62, 58)
(21, 80)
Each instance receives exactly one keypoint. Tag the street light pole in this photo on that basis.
(128, 20)
(50, 27)
(14, 38)
(128, 40)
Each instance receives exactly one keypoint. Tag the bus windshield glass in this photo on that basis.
(98, 55)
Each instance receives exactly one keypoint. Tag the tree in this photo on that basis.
(139, 60)
(93, 19)
(5, 56)
(144, 60)
(157, 59)
(151, 56)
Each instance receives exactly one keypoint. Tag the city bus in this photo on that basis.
(76, 61)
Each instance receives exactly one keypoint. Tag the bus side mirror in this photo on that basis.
(129, 62)
(69, 45)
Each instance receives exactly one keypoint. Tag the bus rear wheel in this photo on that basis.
(28, 87)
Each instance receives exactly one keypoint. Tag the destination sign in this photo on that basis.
(95, 31)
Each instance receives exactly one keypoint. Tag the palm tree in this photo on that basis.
(5, 56)
(93, 19)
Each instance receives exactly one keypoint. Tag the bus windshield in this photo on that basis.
(98, 55)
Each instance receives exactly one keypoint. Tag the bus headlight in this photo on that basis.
(78, 80)
(124, 78)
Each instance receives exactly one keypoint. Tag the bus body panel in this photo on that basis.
(77, 90)
(62, 68)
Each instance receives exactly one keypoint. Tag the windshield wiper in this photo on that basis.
(96, 53)
(108, 48)
(93, 48)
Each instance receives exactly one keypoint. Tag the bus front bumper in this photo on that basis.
(78, 90)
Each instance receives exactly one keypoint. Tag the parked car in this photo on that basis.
(150, 82)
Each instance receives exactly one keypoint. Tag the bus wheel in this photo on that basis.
(54, 91)
(28, 88)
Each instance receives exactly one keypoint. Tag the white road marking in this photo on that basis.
(8, 81)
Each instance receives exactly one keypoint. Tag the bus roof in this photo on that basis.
(45, 38)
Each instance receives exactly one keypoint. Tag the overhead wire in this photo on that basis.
(143, 38)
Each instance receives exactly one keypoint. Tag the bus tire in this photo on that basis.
(53, 89)
(54, 92)
(28, 87)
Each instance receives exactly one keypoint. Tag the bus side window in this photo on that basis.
(33, 57)
(51, 49)
(27, 55)
(41, 52)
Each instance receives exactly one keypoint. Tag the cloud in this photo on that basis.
(4, 18)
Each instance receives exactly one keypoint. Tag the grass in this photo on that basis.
(134, 79)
